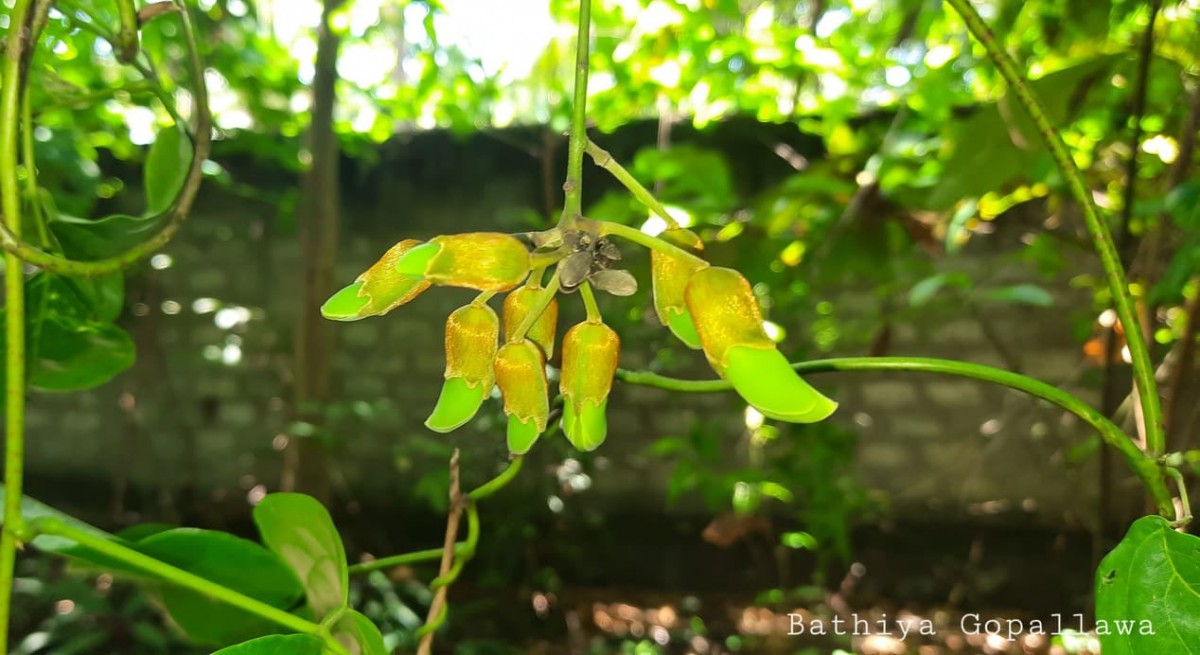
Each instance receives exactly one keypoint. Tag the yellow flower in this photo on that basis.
(590, 352)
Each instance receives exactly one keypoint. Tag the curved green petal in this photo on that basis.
(684, 329)
(585, 429)
(456, 405)
(522, 435)
(346, 305)
(415, 261)
(765, 379)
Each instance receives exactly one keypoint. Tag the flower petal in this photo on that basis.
(457, 404)
(765, 379)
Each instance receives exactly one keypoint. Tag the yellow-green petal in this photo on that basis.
(484, 261)
(415, 260)
(670, 274)
(346, 305)
(586, 426)
(765, 379)
(726, 314)
(456, 405)
(544, 328)
(521, 374)
(522, 435)
(472, 335)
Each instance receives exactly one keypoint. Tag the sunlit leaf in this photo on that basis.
(300, 530)
(166, 168)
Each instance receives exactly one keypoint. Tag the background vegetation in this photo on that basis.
(916, 153)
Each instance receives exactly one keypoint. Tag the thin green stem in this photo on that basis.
(175, 216)
(1114, 272)
(589, 303)
(1144, 466)
(484, 490)
(535, 310)
(577, 141)
(403, 559)
(1185, 506)
(606, 228)
(497, 483)
(467, 552)
(604, 160)
(14, 304)
(50, 525)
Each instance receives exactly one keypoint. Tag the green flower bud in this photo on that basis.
(471, 341)
(544, 328)
(521, 374)
(484, 261)
(730, 326)
(379, 290)
(590, 353)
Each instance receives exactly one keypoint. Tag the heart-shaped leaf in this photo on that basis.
(231, 562)
(300, 530)
(1148, 592)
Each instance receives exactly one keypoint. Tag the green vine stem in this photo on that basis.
(127, 37)
(14, 304)
(535, 310)
(49, 525)
(175, 215)
(1146, 468)
(484, 490)
(577, 140)
(604, 160)
(1114, 272)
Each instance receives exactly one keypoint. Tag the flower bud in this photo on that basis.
(472, 333)
(590, 352)
(542, 330)
(521, 374)
(730, 327)
(669, 273)
(379, 290)
(484, 261)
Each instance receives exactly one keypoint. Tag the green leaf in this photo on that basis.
(277, 645)
(232, 562)
(359, 635)
(300, 530)
(1026, 294)
(925, 290)
(1148, 592)
(74, 355)
(87, 239)
(166, 169)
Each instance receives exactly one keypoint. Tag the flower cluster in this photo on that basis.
(708, 308)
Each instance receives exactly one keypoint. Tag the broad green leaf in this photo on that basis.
(300, 530)
(924, 291)
(1027, 294)
(166, 168)
(277, 645)
(74, 355)
(1148, 592)
(232, 562)
(359, 635)
(87, 239)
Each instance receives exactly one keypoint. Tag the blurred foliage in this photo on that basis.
(923, 156)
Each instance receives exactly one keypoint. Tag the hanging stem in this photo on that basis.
(1114, 272)
(535, 310)
(1146, 468)
(606, 228)
(14, 303)
(577, 141)
(589, 303)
